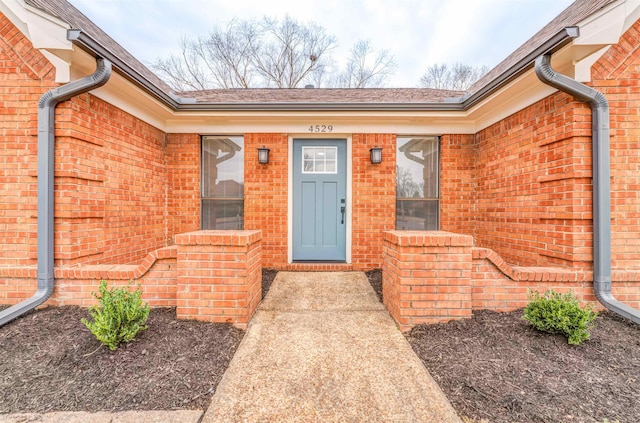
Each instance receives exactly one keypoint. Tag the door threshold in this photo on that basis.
(318, 261)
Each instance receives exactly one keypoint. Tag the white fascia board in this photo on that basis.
(47, 33)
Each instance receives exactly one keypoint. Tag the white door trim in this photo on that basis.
(348, 238)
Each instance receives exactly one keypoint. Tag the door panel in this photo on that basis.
(319, 192)
(308, 213)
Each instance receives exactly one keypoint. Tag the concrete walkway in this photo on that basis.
(321, 347)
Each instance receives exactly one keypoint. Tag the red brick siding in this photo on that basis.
(533, 187)
(111, 184)
(219, 276)
(617, 76)
(183, 171)
(426, 276)
(24, 76)
(75, 285)
(374, 198)
(266, 189)
(457, 184)
(438, 276)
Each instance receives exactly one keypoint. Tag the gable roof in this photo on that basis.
(66, 12)
(550, 38)
(571, 16)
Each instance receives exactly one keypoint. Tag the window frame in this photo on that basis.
(423, 199)
(221, 199)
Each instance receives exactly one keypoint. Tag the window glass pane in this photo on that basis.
(417, 167)
(417, 192)
(222, 214)
(319, 159)
(331, 167)
(222, 189)
(308, 166)
(417, 215)
(223, 167)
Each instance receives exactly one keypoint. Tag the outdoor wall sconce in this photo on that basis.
(376, 155)
(263, 155)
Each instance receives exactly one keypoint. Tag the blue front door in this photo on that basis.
(319, 200)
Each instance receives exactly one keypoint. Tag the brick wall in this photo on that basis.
(219, 276)
(617, 76)
(373, 197)
(210, 275)
(74, 285)
(534, 172)
(266, 189)
(426, 276)
(431, 277)
(24, 76)
(111, 184)
(457, 184)
(533, 182)
(183, 194)
(110, 170)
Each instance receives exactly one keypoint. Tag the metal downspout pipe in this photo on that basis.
(46, 138)
(601, 182)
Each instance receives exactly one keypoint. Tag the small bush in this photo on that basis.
(560, 314)
(119, 317)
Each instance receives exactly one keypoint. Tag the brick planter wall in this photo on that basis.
(211, 275)
(431, 277)
(219, 276)
(426, 276)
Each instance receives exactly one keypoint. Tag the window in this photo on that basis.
(417, 192)
(319, 160)
(222, 182)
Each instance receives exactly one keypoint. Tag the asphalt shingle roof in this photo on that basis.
(323, 95)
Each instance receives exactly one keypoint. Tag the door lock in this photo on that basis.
(343, 209)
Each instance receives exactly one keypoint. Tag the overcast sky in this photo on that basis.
(418, 33)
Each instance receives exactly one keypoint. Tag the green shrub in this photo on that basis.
(119, 317)
(560, 314)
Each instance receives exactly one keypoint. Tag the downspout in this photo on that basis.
(601, 182)
(46, 138)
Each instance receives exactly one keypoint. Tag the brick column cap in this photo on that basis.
(214, 237)
(428, 239)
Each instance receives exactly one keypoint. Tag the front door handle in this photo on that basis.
(342, 209)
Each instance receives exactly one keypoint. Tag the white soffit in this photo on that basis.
(47, 33)
(607, 26)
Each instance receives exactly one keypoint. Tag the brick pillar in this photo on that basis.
(219, 276)
(426, 276)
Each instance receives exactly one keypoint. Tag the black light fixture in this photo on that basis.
(376, 155)
(263, 155)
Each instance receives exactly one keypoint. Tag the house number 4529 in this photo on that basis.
(321, 128)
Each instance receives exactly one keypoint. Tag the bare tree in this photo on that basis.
(248, 53)
(183, 71)
(289, 51)
(270, 53)
(366, 68)
(458, 76)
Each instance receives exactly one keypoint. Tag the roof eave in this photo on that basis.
(179, 104)
(313, 106)
(553, 44)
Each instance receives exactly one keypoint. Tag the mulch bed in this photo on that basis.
(52, 362)
(495, 367)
